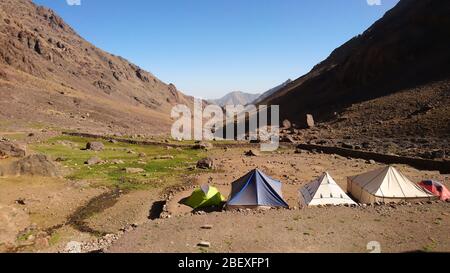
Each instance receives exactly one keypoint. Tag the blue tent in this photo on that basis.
(256, 189)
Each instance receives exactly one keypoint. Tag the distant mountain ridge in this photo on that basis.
(242, 98)
(235, 98)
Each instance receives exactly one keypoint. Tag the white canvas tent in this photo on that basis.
(385, 185)
(324, 191)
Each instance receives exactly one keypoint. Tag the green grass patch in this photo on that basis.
(157, 172)
(54, 239)
(24, 236)
(429, 247)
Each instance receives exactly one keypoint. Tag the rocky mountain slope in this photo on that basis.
(271, 92)
(49, 75)
(235, 98)
(392, 78)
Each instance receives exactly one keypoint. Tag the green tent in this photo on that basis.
(205, 196)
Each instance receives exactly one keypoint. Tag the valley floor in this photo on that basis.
(340, 229)
(80, 208)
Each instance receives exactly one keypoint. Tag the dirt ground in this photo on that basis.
(331, 229)
(294, 170)
(51, 203)
(336, 229)
(40, 203)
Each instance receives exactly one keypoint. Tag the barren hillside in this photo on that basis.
(49, 75)
(405, 53)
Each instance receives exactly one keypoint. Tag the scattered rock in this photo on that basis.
(117, 161)
(60, 159)
(8, 148)
(41, 243)
(366, 145)
(204, 244)
(73, 247)
(252, 153)
(21, 201)
(205, 163)
(93, 161)
(141, 155)
(134, 170)
(439, 154)
(203, 146)
(347, 146)
(287, 139)
(95, 146)
(371, 161)
(164, 157)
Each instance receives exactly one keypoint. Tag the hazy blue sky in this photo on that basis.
(210, 47)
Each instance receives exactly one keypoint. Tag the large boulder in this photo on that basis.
(205, 163)
(10, 149)
(286, 124)
(310, 121)
(95, 146)
(34, 165)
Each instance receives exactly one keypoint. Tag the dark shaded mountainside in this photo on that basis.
(49, 75)
(392, 80)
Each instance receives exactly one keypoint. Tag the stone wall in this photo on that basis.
(422, 164)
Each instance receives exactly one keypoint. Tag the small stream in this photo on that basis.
(96, 205)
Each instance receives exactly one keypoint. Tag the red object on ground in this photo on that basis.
(436, 188)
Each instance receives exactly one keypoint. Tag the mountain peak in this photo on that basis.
(235, 98)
